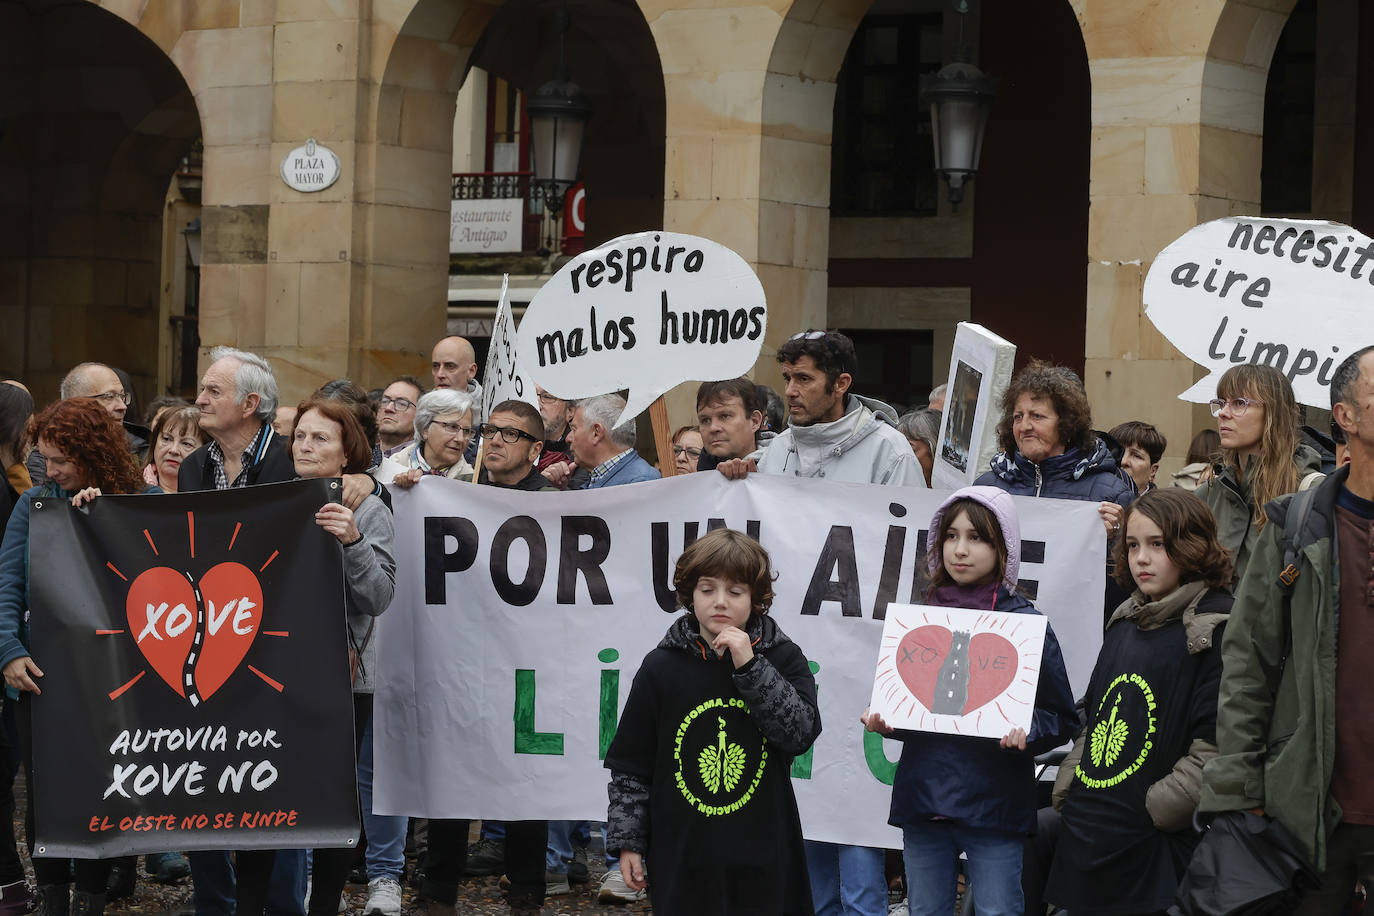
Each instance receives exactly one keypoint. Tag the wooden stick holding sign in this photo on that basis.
(644, 313)
(663, 437)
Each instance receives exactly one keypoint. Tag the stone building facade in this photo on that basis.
(1121, 124)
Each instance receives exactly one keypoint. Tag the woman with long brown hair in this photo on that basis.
(86, 455)
(1261, 455)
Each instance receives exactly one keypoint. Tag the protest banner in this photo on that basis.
(1278, 292)
(644, 312)
(980, 368)
(956, 671)
(503, 379)
(196, 687)
(520, 619)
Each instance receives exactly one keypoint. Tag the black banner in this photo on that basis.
(196, 687)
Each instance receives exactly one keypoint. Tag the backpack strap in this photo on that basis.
(1294, 523)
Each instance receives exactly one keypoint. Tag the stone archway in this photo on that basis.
(97, 121)
(611, 55)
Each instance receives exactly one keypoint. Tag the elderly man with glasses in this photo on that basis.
(99, 381)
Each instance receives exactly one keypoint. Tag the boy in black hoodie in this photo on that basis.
(700, 764)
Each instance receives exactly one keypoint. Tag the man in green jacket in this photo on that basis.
(1295, 725)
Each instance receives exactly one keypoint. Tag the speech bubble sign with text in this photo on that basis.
(504, 379)
(1293, 294)
(644, 312)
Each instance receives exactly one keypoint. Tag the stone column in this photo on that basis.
(1178, 110)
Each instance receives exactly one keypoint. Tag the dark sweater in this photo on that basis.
(701, 774)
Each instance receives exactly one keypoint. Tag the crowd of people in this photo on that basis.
(1223, 685)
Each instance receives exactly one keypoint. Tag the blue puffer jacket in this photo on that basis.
(973, 781)
(1095, 478)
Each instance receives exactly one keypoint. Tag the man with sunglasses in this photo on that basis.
(396, 414)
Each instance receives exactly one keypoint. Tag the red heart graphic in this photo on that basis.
(195, 638)
(975, 671)
(233, 614)
(161, 610)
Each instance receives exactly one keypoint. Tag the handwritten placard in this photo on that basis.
(1292, 294)
(957, 671)
(503, 378)
(644, 312)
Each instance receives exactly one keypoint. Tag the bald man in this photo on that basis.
(454, 365)
(99, 381)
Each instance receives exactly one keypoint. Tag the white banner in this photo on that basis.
(520, 619)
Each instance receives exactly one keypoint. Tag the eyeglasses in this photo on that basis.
(508, 433)
(455, 429)
(1238, 406)
(120, 395)
(400, 404)
(686, 449)
(546, 398)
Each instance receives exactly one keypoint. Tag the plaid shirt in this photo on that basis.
(251, 456)
(603, 470)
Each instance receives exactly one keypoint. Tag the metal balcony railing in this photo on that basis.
(506, 186)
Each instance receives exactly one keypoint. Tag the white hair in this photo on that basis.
(437, 402)
(937, 392)
(604, 409)
(253, 376)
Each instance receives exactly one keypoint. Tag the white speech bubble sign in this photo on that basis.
(504, 379)
(1297, 295)
(644, 312)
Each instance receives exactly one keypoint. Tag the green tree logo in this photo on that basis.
(722, 764)
(1109, 737)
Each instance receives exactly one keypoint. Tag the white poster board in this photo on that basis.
(980, 367)
(956, 671)
(485, 226)
(503, 379)
(1292, 294)
(644, 312)
(554, 598)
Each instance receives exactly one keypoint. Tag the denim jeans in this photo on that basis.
(493, 830)
(214, 891)
(562, 836)
(931, 854)
(386, 833)
(847, 880)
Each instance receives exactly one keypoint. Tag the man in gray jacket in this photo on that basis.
(833, 432)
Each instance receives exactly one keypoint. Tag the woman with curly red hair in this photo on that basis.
(86, 456)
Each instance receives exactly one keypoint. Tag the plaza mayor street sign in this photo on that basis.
(310, 168)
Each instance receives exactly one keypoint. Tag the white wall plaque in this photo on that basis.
(310, 168)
